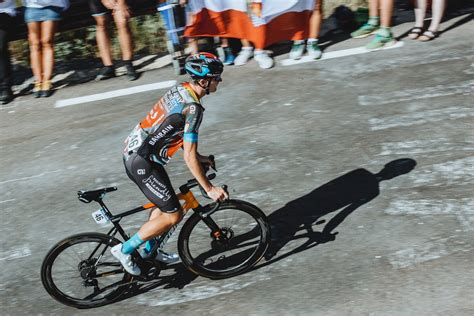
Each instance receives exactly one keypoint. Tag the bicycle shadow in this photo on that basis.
(345, 193)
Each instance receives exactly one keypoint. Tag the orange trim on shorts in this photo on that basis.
(149, 205)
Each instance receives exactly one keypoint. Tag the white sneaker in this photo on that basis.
(297, 50)
(168, 258)
(125, 260)
(313, 50)
(243, 57)
(263, 60)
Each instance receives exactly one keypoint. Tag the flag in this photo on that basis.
(263, 22)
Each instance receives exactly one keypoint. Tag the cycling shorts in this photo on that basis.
(153, 181)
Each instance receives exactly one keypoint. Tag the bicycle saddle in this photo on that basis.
(95, 195)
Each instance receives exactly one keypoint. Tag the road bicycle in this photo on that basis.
(218, 240)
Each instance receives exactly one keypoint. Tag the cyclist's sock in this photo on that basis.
(374, 20)
(149, 245)
(130, 245)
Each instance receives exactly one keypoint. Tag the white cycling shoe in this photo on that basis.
(125, 260)
(168, 258)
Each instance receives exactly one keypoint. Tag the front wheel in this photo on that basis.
(81, 272)
(240, 243)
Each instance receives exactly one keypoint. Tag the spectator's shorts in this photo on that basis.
(43, 14)
(98, 9)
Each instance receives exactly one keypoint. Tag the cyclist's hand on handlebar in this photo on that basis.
(218, 194)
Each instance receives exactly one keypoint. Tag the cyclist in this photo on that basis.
(172, 123)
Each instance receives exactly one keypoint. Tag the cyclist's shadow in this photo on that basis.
(346, 193)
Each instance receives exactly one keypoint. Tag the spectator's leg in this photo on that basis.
(315, 27)
(103, 40)
(34, 38)
(374, 8)
(384, 35)
(245, 53)
(5, 64)
(193, 45)
(48, 29)
(386, 9)
(229, 55)
(316, 20)
(126, 44)
(125, 37)
(420, 12)
(437, 9)
(372, 24)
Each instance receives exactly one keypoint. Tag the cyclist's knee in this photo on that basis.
(173, 218)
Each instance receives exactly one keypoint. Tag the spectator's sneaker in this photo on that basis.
(380, 41)
(243, 57)
(46, 89)
(131, 73)
(297, 50)
(37, 89)
(125, 260)
(313, 50)
(229, 56)
(6, 95)
(161, 256)
(365, 30)
(263, 60)
(106, 72)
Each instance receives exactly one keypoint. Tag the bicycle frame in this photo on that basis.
(190, 202)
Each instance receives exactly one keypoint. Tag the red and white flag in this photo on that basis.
(263, 22)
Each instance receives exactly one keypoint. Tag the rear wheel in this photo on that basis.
(240, 243)
(81, 272)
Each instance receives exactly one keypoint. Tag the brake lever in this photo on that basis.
(213, 163)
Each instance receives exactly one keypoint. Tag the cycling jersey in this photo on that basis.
(174, 118)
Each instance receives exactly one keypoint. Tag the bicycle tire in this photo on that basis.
(48, 278)
(196, 265)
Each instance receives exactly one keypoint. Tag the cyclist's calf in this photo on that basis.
(159, 223)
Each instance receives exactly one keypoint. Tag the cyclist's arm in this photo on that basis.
(192, 159)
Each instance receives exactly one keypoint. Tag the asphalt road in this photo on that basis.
(304, 143)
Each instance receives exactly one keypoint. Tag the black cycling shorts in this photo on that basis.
(98, 8)
(153, 181)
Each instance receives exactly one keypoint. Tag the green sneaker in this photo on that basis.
(380, 41)
(297, 50)
(365, 30)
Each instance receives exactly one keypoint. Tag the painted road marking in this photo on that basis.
(5, 201)
(115, 93)
(418, 118)
(462, 208)
(336, 54)
(17, 252)
(428, 251)
(31, 177)
(465, 87)
(425, 146)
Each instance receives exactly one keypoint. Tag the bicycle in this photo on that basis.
(233, 246)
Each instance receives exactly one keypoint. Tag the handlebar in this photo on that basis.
(193, 182)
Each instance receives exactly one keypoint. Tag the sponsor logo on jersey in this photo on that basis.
(160, 135)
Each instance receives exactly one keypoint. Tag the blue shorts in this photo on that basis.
(43, 14)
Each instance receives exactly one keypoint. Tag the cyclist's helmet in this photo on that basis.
(203, 66)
